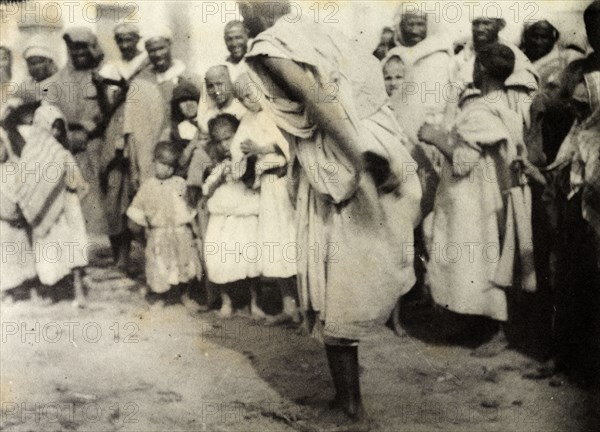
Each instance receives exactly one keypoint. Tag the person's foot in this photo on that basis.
(492, 348)
(158, 305)
(78, 304)
(7, 299)
(544, 371)
(193, 305)
(257, 313)
(226, 311)
(37, 299)
(290, 309)
(336, 420)
(281, 319)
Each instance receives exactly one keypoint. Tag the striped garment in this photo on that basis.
(43, 173)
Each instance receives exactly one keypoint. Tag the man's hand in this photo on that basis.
(530, 170)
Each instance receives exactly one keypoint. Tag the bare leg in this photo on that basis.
(255, 311)
(493, 347)
(79, 300)
(226, 307)
(290, 312)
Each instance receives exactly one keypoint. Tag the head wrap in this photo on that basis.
(159, 32)
(185, 90)
(409, 8)
(39, 46)
(528, 25)
(126, 28)
(498, 60)
(499, 22)
(233, 24)
(86, 36)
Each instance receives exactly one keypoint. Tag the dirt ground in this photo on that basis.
(120, 365)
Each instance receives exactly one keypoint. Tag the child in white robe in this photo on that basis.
(231, 251)
(172, 260)
(259, 136)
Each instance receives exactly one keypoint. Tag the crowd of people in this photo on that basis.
(483, 193)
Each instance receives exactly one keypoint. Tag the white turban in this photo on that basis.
(159, 32)
(38, 46)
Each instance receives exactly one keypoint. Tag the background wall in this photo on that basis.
(198, 25)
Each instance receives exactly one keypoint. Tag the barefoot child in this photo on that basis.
(50, 202)
(259, 136)
(233, 219)
(159, 206)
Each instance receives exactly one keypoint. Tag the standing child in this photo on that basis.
(160, 207)
(260, 137)
(50, 201)
(233, 220)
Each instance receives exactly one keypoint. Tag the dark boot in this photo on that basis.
(123, 252)
(343, 364)
(114, 247)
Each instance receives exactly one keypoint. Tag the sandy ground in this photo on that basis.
(120, 365)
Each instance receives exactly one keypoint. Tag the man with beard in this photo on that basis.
(126, 157)
(41, 65)
(166, 72)
(426, 57)
(519, 87)
(78, 101)
(549, 122)
(132, 61)
(236, 40)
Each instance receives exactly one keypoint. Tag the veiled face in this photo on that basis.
(538, 40)
(413, 29)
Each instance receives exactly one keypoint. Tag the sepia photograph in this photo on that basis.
(299, 215)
